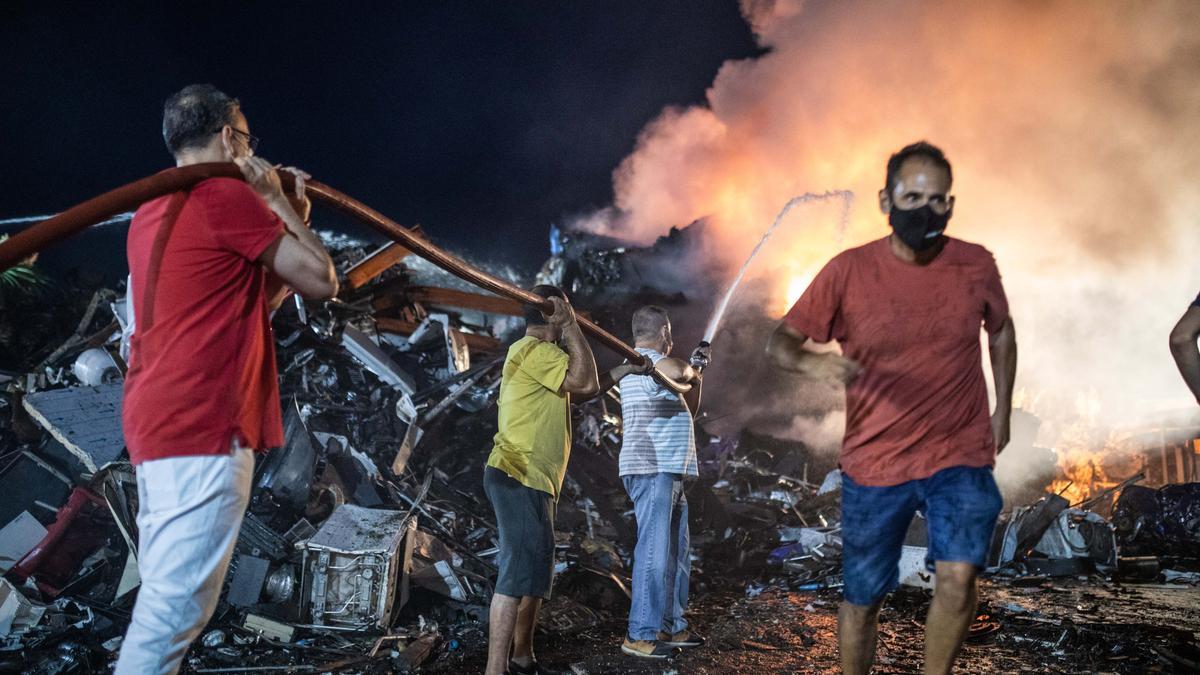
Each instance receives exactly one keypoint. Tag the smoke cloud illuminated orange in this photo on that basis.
(1074, 129)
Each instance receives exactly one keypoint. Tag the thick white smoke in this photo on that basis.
(1074, 129)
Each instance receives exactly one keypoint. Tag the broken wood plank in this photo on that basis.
(87, 420)
(492, 304)
(403, 327)
(375, 264)
(448, 297)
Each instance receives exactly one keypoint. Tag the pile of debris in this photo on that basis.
(368, 540)
(368, 543)
(330, 545)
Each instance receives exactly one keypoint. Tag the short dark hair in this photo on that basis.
(533, 315)
(195, 113)
(919, 149)
(648, 320)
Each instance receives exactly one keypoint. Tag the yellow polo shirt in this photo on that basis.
(534, 440)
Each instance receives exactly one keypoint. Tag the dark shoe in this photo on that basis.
(684, 638)
(534, 668)
(648, 649)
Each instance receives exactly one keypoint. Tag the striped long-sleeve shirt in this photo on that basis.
(658, 436)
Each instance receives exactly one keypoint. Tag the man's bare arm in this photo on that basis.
(691, 397)
(298, 257)
(293, 209)
(581, 376)
(681, 371)
(609, 379)
(277, 291)
(1002, 347)
(787, 349)
(300, 268)
(676, 369)
(1183, 348)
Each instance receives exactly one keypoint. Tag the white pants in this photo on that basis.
(189, 514)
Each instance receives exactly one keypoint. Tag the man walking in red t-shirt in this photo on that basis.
(907, 311)
(201, 395)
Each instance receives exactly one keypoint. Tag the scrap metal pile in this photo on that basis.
(368, 544)
(341, 525)
(1154, 535)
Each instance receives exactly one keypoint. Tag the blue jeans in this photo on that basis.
(662, 560)
(960, 506)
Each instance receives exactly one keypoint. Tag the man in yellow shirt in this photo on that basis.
(525, 471)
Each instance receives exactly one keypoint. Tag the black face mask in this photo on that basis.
(919, 229)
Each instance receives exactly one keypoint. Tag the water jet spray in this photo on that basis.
(847, 198)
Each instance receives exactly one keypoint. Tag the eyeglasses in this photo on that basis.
(251, 139)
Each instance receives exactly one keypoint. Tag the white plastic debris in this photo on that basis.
(17, 613)
(17, 538)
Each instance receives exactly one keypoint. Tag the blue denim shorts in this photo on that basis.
(960, 504)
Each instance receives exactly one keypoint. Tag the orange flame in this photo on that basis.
(1092, 458)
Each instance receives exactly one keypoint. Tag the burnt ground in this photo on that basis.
(1056, 626)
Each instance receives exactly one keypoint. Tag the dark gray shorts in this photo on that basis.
(525, 518)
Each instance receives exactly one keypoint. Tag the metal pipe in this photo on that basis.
(128, 197)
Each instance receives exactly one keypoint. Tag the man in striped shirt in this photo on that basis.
(658, 452)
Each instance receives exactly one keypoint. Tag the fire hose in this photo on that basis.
(128, 197)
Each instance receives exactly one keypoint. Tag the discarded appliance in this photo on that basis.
(1047, 538)
(356, 568)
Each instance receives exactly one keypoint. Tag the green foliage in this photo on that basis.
(21, 277)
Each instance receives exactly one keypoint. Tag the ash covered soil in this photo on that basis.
(1057, 626)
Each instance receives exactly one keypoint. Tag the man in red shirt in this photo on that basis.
(907, 311)
(201, 395)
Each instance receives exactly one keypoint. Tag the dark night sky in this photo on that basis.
(482, 121)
